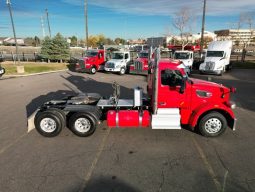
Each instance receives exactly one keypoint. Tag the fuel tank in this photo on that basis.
(128, 118)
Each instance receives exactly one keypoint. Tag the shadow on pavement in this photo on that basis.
(81, 84)
(104, 184)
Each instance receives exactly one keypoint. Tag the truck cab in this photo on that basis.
(217, 59)
(181, 100)
(93, 61)
(140, 64)
(118, 62)
(187, 57)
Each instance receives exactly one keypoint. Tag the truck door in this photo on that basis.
(169, 94)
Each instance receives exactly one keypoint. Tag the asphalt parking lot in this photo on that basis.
(121, 159)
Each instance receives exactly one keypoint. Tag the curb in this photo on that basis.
(33, 74)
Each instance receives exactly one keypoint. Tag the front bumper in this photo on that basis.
(112, 69)
(215, 72)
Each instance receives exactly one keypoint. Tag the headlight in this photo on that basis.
(201, 93)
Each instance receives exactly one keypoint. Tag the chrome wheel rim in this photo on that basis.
(48, 125)
(93, 70)
(82, 125)
(122, 71)
(213, 125)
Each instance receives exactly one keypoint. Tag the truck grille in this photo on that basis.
(209, 66)
(109, 65)
(138, 66)
(81, 63)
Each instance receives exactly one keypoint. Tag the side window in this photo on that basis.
(171, 77)
(126, 55)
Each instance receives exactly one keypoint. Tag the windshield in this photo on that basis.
(215, 54)
(178, 55)
(117, 56)
(143, 55)
(91, 53)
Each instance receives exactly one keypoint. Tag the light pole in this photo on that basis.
(47, 15)
(203, 28)
(86, 21)
(8, 2)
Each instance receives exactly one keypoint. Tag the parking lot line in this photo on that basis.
(207, 165)
(93, 165)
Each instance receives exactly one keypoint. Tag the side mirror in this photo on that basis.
(183, 85)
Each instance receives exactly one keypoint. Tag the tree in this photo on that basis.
(37, 41)
(74, 41)
(56, 48)
(119, 40)
(245, 19)
(182, 22)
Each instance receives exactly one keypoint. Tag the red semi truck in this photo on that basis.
(174, 100)
(140, 64)
(93, 61)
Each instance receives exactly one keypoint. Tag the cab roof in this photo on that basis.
(170, 64)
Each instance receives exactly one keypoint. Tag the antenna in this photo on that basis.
(47, 15)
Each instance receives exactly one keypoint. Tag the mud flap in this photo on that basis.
(30, 121)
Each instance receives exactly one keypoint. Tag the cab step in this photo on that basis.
(167, 118)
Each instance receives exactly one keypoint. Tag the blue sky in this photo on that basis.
(117, 18)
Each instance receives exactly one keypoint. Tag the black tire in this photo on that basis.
(52, 116)
(212, 124)
(93, 70)
(78, 120)
(122, 71)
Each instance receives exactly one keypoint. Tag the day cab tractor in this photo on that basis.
(118, 63)
(93, 61)
(140, 64)
(174, 100)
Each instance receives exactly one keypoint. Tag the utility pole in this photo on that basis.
(86, 21)
(8, 2)
(203, 28)
(47, 15)
(43, 30)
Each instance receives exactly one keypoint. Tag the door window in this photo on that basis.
(171, 77)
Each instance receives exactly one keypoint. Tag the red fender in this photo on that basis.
(208, 107)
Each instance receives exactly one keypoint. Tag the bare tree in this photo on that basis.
(245, 19)
(182, 22)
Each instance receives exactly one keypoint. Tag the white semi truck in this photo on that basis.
(217, 59)
(118, 62)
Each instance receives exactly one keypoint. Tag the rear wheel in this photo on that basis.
(213, 124)
(82, 124)
(49, 123)
(93, 70)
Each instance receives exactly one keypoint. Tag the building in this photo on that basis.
(11, 41)
(158, 41)
(192, 38)
(238, 36)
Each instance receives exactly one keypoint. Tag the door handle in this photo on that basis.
(162, 103)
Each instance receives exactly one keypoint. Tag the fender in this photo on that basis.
(208, 107)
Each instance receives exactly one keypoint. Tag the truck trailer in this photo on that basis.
(174, 100)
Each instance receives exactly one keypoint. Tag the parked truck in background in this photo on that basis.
(217, 59)
(93, 61)
(119, 62)
(140, 65)
(187, 57)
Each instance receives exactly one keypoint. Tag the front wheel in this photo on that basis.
(122, 71)
(93, 70)
(213, 124)
(82, 124)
